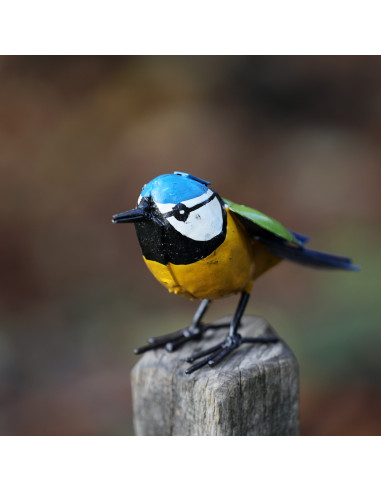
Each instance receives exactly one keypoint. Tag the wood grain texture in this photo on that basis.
(255, 391)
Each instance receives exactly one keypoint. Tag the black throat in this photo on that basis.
(160, 242)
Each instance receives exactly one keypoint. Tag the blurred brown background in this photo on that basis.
(299, 138)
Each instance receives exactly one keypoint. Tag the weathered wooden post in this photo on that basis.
(255, 391)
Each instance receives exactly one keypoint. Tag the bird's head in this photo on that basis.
(182, 201)
(184, 208)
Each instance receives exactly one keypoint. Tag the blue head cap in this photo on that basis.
(175, 188)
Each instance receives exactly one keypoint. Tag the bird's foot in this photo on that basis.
(215, 354)
(174, 340)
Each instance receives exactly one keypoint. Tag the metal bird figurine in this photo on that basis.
(202, 246)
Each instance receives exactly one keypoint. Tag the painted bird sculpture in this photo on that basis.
(205, 247)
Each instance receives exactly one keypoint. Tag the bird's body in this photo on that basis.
(202, 246)
(229, 269)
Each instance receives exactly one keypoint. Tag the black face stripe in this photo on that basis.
(181, 211)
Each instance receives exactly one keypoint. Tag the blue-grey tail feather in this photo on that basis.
(301, 237)
(310, 257)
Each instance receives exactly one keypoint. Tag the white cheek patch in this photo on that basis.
(202, 224)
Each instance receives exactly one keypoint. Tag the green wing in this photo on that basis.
(281, 242)
(256, 221)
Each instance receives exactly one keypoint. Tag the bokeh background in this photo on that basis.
(297, 137)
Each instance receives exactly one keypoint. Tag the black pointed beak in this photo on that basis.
(135, 215)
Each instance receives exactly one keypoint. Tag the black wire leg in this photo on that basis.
(218, 352)
(172, 341)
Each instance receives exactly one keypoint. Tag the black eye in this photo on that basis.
(180, 212)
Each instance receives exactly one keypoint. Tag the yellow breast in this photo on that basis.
(230, 269)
